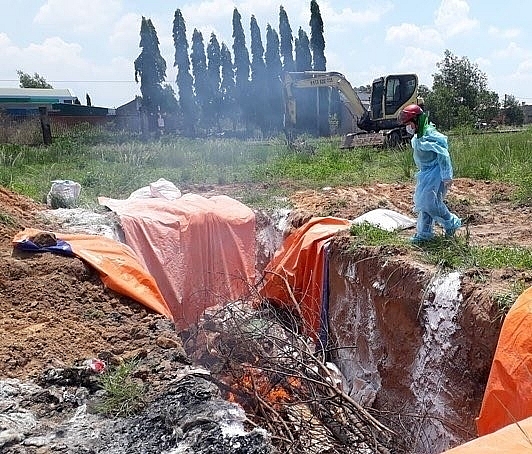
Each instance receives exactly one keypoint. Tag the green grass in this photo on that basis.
(367, 234)
(502, 157)
(506, 298)
(116, 168)
(123, 396)
(114, 165)
(6, 219)
(450, 253)
(457, 253)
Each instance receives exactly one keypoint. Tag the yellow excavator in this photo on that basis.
(376, 125)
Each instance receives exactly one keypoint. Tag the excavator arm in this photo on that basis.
(317, 79)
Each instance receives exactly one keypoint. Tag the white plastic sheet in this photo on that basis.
(385, 219)
(161, 189)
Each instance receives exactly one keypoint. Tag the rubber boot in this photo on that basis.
(452, 225)
(424, 228)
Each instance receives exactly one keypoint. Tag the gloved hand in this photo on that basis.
(447, 184)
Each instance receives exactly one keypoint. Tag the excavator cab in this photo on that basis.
(389, 95)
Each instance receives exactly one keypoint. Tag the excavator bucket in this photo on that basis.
(362, 140)
(347, 141)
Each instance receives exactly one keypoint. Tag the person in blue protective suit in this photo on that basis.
(434, 176)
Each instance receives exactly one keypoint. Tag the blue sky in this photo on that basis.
(90, 46)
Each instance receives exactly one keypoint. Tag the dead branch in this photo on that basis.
(274, 372)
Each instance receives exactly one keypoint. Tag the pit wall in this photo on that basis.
(413, 343)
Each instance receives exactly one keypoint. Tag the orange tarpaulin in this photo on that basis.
(300, 262)
(508, 394)
(201, 251)
(514, 438)
(117, 265)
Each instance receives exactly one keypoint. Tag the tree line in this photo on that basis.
(460, 97)
(219, 90)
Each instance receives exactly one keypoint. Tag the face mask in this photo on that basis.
(410, 129)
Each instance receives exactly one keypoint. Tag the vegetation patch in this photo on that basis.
(447, 252)
(505, 299)
(366, 234)
(123, 395)
(6, 219)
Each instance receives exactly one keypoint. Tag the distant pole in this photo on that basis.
(45, 126)
(505, 105)
(144, 123)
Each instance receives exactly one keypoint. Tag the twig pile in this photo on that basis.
(283, 382)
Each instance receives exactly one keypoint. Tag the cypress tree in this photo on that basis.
(150, 66)
(286, 40)
(258, 84)
(169, 102)
(201, 82)
(241, 65)
(274, 114)
(303, 55)
(319, 63)
(317, 41)
(184, 78)
(227, 86)
(305, 98)
(214, 63)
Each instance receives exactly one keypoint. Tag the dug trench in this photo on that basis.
(413, 344)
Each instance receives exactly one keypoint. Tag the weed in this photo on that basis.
(506, 299)
(269, 199)
(367, 155)
(6, 219)
(447, 252)
(94, 314)
(456, 252)
(333, 207)
(369, 235)
(503, 257)
(499, 196)
(498, 157)
(405, 162)
(459, 201)
(123, 396)
(115, 164)
(523, 193)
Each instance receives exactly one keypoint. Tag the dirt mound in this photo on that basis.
(16, 213)
(56, 312)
